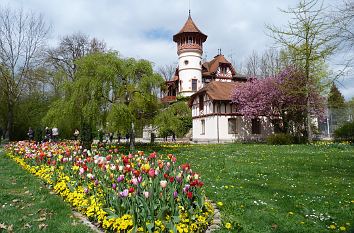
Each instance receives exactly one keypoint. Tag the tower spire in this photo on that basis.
(189, 8)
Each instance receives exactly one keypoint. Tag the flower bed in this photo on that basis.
(123, 193)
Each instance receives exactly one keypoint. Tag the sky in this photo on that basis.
(144, 29)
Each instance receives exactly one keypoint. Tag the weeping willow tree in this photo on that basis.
(108, 92)
(84, 103)
(134, 101)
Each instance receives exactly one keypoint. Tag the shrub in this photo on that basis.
(345, 132)
(280, 139)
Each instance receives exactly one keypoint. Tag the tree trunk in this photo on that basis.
(10, 120)
(308, 121)
(86, 136)
(132, 138)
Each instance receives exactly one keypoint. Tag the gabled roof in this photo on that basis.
(212, 66)
(216, 90)
(189, 27)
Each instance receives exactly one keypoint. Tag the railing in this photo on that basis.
(167, 99)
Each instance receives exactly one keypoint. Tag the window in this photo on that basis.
(186, 62)
(203, 126)
(256, 126)
(233, 129)
(233, 108)
(277, 126)
(201, 102)
(194, 84)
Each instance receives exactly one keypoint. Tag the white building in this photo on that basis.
(209, 86)
(215, 118)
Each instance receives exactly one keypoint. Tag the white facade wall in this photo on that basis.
(189, 71)
(216, 127)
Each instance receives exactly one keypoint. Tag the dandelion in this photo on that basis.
(219, 203)
(228, 226)
(342, 228)
(332, 227)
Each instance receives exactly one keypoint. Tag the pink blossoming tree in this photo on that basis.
(281, 98)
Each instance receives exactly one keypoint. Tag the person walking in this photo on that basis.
(76, 134)
(111, 137)
(30, 134)
(55, 133)
(48, 134)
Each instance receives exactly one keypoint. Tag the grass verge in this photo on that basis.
(27, 206)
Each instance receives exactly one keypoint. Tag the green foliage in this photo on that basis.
(108, 93)
(134, 96)
(28, 113)
(183, 98)
(335, 98)
(345, 132)
(120, 118)
(280, 139)
(84, 104)
(174, 119)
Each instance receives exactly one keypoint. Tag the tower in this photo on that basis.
(190, 50)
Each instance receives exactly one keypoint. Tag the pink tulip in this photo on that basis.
(125, 193)
(163, 183)
(135, 181)
(152, 172)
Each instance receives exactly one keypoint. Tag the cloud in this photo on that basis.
(144, 29)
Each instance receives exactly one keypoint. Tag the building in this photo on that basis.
(209, 85)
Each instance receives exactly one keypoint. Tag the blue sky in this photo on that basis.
(144, 29)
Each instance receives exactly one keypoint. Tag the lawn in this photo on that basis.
(297, 188)
(26, 205)
(259, 188)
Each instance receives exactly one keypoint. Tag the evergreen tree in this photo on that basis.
(336, 108)
(335, 98)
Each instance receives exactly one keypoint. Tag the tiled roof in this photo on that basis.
(213, 65)
(190, 27)
(216, 90)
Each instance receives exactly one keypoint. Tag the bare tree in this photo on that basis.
(270, 63)
(309, 40)
(252, 64)
(344, 18)
(167, 71)
(70, 49)
(22, 40)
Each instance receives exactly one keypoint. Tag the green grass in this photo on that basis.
(297, 188)
(28, 206)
